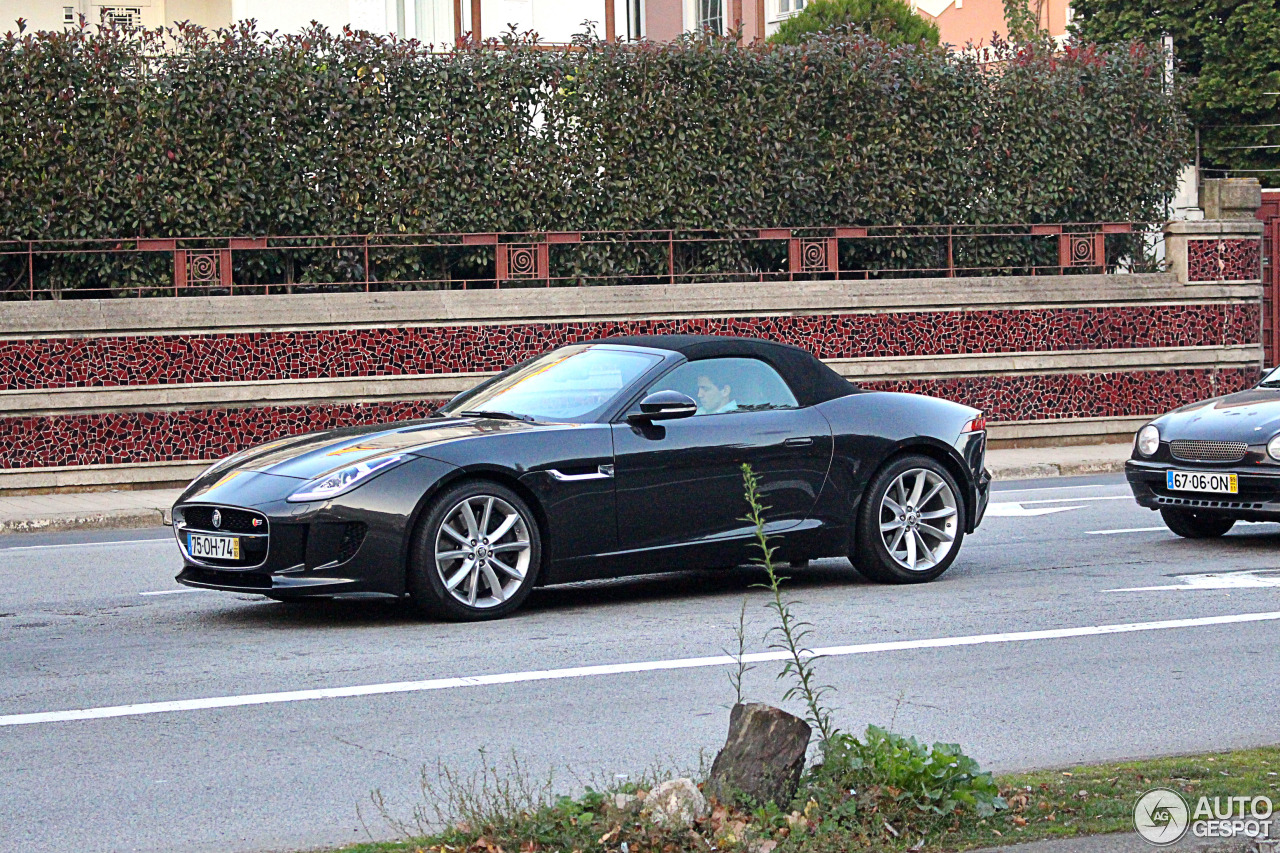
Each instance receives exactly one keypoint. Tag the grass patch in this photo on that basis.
(1083, 800)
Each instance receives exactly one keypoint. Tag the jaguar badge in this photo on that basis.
(217, 518)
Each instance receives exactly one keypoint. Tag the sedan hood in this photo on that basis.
(1251, 416)
(305, 457)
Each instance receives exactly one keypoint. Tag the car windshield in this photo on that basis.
(572, 383)
(1272, 379)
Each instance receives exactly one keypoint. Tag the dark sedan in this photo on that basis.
(602, 459)
(1210, 464)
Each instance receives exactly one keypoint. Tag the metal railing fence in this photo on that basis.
(152, 267)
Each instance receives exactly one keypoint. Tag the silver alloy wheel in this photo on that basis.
(482, 551)
(918, 519)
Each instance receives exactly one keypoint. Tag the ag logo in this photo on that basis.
(1161, 816)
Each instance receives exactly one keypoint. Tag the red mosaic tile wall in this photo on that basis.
(123, 437)
(166, 359)
(165, 436)
(1078, 395)
(1224, 260)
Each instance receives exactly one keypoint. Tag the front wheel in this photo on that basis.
(910, 524)
(475, 555)
(1196, 525)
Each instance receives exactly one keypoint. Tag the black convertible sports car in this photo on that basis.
(1210, 464)
(602, 459)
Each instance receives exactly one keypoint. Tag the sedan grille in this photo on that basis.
(1207, 451)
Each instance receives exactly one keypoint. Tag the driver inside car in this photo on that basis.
(713, 398)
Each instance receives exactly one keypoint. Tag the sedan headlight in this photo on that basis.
(1148, 440)
(344, 479)
(1273, 448)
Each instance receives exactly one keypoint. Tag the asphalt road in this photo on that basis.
(94, 621)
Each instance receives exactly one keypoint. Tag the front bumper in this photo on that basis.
(283, 555)
(354, 543)
(1258, 498)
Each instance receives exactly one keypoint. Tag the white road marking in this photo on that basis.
(172, 591)
(1017, 510)
(1124, 530)
(612, 669)
(1247, 579)
(1077, 500)
(165, 540)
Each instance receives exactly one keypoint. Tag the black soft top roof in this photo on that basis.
(811, 381)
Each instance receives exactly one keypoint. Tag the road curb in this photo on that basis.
(108, 520)
(1050, 469)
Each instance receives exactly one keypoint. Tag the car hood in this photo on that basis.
(305, 457)
(1252, 416)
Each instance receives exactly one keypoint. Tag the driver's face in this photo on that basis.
(710, 395)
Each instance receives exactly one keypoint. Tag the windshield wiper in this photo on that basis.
(506, 416)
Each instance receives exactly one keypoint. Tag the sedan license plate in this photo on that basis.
(1201, 481)
(215, 547)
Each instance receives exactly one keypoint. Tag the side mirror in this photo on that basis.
(665, 405)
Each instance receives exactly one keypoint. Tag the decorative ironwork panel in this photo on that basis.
(202, 268)
(1082, 250)
(522, 261)
(813, 255)
(1224, 260)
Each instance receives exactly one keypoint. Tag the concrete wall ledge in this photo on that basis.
(228, 314)
(1216, 227)
(1058, 433)
(90, 478)
(1076, 361)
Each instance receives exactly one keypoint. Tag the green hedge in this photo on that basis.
(205, 133)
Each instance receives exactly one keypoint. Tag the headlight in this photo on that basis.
(343, 480)
(1273, 448)
(1148, 440)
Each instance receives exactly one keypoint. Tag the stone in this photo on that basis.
(676, 803)
(763, 756)
(1231, 198)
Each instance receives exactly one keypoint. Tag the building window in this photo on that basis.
(122, 17)
(711, 15)
(786, 7)
(68, 15)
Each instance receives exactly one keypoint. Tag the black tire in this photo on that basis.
(1190, 524)
(871, 556)
(428, 592)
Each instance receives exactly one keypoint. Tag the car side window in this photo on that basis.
(722, 385)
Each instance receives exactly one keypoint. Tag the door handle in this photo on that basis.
(797, 442)
(603, 472)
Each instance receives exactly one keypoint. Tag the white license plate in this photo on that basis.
(1201, 481)
(215, 547)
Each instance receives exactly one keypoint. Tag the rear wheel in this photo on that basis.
(475, 555)
(1196, 525)
(910, 525)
